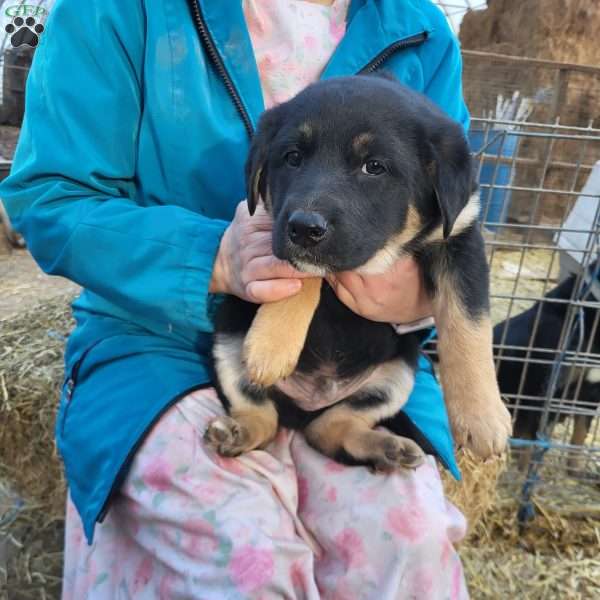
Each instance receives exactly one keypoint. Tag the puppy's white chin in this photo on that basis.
(307, 267)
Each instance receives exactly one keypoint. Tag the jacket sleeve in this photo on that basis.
(444, 79)
(71, 191)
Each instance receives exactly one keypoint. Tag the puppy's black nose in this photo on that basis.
(306, 228)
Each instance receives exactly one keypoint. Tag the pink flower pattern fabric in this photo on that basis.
(285, 522)
(292, 40)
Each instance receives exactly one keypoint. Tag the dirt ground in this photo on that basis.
(23, 284)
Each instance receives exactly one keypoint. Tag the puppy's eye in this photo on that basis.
(293, 158)
(373, 167)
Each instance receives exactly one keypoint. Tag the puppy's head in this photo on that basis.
(353, 169)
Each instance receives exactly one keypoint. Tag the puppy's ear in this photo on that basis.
(451, 172)
(256, 164)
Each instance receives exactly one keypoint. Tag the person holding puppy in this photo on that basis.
(129, 180)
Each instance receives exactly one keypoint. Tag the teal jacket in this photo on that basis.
(127, 172)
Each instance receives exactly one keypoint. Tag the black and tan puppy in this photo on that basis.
(357, 172)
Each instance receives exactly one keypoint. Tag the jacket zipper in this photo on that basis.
(73, 374)
(209, 44)
(409, 42)
(215, 57)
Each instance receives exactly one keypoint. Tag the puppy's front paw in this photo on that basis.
(266, 367)
(227, 437)
(276, 338)
(482, 427)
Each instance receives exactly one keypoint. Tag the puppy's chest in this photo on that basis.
(323, 387)
(343, 355)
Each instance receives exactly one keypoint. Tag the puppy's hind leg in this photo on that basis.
(252, 420)
(345, 432)
(345, 436)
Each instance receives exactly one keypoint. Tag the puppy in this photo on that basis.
(527, 373)
(356, 172)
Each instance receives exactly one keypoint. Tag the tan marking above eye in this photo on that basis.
(306, 129)
(361, 141)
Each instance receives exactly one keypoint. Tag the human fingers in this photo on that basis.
(272, 290)
(269, 267)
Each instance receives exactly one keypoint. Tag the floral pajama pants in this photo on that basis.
(282, 523)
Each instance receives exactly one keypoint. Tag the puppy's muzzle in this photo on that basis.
(306, 229)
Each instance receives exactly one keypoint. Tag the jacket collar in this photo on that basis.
(373, 25)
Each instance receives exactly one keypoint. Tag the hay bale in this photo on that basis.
(31, 371)
(32, 488)
(499, 571)
(32, 565)
(556, 30)
(476, 494)
(555, 556)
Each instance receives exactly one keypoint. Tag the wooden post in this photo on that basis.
(561, 86)
(16, 68)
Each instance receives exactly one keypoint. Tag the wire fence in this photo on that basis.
(566, 91)
(545, 293)
(540, 191)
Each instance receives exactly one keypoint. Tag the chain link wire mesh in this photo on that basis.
(540, 190)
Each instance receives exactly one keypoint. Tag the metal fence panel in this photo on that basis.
(548, 360)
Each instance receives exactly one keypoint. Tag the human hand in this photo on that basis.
(396, 296)
(245, 265)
